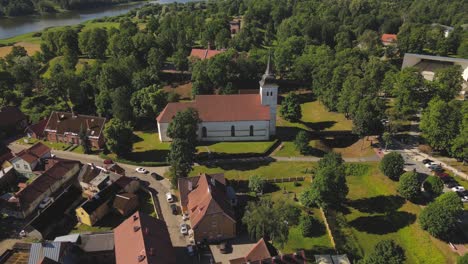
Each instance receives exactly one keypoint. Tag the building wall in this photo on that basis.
(215, 227)
(269, 96)
(221, 131)
(91, 219)
(73, 139)
(23, 167)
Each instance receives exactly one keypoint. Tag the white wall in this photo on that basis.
(162, 128)
(18, 165)
(269, 96)
(221, 131)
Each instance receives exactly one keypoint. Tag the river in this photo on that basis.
(10, 27)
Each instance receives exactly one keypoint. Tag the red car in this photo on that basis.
(441, 174)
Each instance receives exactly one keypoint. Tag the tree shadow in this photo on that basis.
(310, 151)
(383, 224)
(378, 204)
(238, 164)
(136, 138)
(157, 155)
(318, 230)
(270, 188)
(287, 133)
(319, 126)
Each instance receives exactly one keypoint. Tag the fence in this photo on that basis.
(286, 179)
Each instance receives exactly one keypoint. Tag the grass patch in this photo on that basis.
(53, 145)
(28, 37)
(255, 147)
(377, 213)
(269, 170)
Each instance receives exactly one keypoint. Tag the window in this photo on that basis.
(233, 131)
(17, 165)
(26, 167)
(251, 131)
(204, 133)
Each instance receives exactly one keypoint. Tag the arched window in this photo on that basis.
(204, 133)
(233, 131)
(251, 131)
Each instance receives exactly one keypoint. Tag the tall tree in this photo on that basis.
(118, 136)
(448, 82)
(93, 42)
(409, 186)
(291, 108)
(392, 165)
(386, 252)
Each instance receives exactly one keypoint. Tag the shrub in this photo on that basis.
(433, 185)
(463, 260)
(392, 165)
(386, 252)
(409, 186)
(309, 225)
(302, 142)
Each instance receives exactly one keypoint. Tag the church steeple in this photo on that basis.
(269, 94)
(268, 77)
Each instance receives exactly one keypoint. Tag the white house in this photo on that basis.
(240, 117)
(26, 161)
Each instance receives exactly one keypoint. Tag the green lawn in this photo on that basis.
(270, 170)
(257, 147)
(146, 204)
(52, 145)
(28, 37)
(377, 213)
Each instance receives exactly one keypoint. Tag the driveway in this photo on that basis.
(241, 246)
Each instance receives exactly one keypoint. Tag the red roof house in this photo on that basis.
(204, 54)
(142, 239)
(388, 39)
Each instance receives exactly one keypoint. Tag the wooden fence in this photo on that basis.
(286, 179)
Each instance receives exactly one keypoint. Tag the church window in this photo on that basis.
(251, 131)
(204, 133)
(233, 131)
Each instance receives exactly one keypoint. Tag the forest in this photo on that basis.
(27, 7)
(333, 49)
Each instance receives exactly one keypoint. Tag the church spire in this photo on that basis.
(268, 77)
(267, 72)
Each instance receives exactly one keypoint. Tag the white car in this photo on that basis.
(46, 202)
(141, 170)
(458, 189)
(184, 229)
(169, 197)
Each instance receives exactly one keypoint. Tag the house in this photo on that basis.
(58, 174)
(98, 206)
(66, 127)
(36, 130)
(12, 120)
(54, 252)
(264, 252)
(332, 259)
(210, 212)
(388, 39)
(94, 179)
(142, 239)
(95, 247)
(204, 54)
(115, 168)
(428, 66)
(235, 26)
(27, 161)
(240, 117)
(125, 203)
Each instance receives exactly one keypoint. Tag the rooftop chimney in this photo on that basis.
(136, 228)
(190, 185)
(135, 217)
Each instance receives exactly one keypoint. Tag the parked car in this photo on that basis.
(458, 189)
(435, 167)
(224, 247)
(446, 179)
(156, 176)
(464, 196)
(174, 209)
(191, 250)
(441, 174)
(452, 183)
(141, 170)
(185, 216)
(426, 161)
(46, 202)
(169, 197)
(184, 229)
(429, 164)
(108, 161)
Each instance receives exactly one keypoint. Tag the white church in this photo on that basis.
(240, 117)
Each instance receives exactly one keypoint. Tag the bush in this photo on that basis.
(309, 225)
(386, 252)
(302, 142)
(409, 186)
(433, 185)
(392, 165)
(463, 260)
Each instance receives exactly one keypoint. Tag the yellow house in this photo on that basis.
(94, 209)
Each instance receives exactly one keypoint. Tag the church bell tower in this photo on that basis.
(269, 95)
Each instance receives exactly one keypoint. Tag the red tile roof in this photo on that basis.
(259, 251)
(219, 108)
(35, 152)
(63, 122)
(204, 53)
(208, 197)
(389, 38)
(144, 236)
(10, 116)
(264, 252)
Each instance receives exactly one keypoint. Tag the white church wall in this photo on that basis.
(162, 128)
(221, 131)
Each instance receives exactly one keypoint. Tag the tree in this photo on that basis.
(440, 124)
(118, 136)
(84, 141)
(387, 138)
(409, 186)
(409, 91)
(367, 118)
(180, 60)
(392, 165)
(302, 142)
(439, 217)
(93, 42)
(270, 220)
(448, 82)
(148, 102)
(121, 107)
(309, 225)
(329, 188)
(256, 183)
(460, 143)
(291, 108)
(386, 252)
(183, 131)
(433, 185)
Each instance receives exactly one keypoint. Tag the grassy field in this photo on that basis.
(52, 145)
(270, 170)
(256, 147)
(31, 48)
(28, 37)
(377, 213)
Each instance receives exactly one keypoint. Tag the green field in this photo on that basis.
(377, 213)
(257, 147)
(269, 170)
